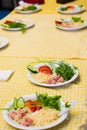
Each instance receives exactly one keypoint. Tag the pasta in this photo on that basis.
(44, 116)
(41, 77)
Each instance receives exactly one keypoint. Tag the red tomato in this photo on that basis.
(8, 22)
(33, 109)
(45, 69)
(58, 22)
(70, 7)
(38, 108)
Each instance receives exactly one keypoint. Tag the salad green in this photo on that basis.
(51, 101)
(77, 19)
(30, 7)
(65, 71)
(15, 25)
(45, 100)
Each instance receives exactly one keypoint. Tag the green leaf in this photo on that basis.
(63, 8)
(77, 19)
(50, 101)
(81, 6)
(65, 71)
(67, 105)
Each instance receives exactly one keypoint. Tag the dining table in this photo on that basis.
(44, 41)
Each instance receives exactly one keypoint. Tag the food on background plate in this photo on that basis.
(52, 72)
(14, 24)
(71, 9)
(34, 112)
(74, 22)
(28, 8)
(67, 8)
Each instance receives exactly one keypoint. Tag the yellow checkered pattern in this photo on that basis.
(44, 40)
(19, 85)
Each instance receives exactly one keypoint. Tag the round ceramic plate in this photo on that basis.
(3, 42)
(72, 28)
(52, 85)
(29, 23)
(18, 126)
(75, 10)
(19, 9)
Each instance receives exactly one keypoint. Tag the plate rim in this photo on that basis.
(52, 85)
(72, 12)
(15, 125)
(32, 23)
(72, 29)
(28, 12)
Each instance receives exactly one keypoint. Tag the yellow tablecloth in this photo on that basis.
(44, 40)
(19, 85)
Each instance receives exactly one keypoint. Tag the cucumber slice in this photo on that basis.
(5, 25)
(15, 103)
(32, 69)
(20, 102)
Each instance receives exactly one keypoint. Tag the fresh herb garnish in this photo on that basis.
(15, 25)
(81, 6)
(50, 101)
(65, 71)
(18, 25)
(30, 7)
(77, 19)
(63, 8)
(67, 105)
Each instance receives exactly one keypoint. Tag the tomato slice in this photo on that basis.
(38, 108)
(70, 7)
(8, 22)
(45, 69)
(58, 22)
(33, 109)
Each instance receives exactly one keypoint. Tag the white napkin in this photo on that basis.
(22, 3)
(5, 74)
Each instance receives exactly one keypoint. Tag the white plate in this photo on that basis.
(3, 42)
(18, 126)
(76, 9)
(51, 85)
(73, 28)
(18, 9)
(29, 23)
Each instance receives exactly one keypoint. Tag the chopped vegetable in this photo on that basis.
(30, 7)
(80, 6)
(33, 105)
(15, 103)
(14, 24)
(65, 71)
(49, 101)
(42, 100)
(63, 8)
(32, 69)
(70, 7)
(77, 19)
(20, 102)
(67, 105)
(66, 8)
(45, 69)
(58, 22)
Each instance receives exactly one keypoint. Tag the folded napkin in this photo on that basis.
(5, 74)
